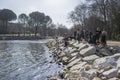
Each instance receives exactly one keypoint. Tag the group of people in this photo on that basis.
(97, 37)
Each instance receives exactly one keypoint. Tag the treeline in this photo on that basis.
(104, 14)
(89, 15)
(34, 23)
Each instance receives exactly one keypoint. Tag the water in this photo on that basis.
(26, 60)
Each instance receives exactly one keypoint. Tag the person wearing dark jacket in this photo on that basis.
(103, 37)
(98, 34)
(66, 39)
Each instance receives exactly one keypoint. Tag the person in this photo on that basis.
(103, 37)
(81, 34)
(78, 35)
(84, 34)
(57, 43)
(75, 35)
(93, 39)
(66, 40)
(90, 35)
(98, 34)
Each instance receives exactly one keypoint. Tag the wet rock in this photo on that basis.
(88, 51)
(110, 73)
(90, 58)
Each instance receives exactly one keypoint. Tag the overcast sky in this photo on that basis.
(57, 9)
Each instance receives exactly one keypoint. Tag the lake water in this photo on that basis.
(26, 60)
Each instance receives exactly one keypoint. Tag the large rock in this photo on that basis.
(65, 58)
(114, 78)
(118, 64)
(74, 54)
(110, 73)
(75, 44)
(78, 66)
(62, 54)
(105, 52)
(96, 78)
(116, 56)
(119, 73)
(73, 50)
(82, 46)
(88, 51)
(74, 62)
(90, 58)
(90, 74)
(72, 59)
(104, 63)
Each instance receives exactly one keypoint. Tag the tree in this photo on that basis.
(79, 15)
(5, 16)
(23, 18)
(98, 13)
(38, 19)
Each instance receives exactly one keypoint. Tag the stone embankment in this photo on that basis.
(84, 61)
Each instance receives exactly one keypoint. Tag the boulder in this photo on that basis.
(84, 78)
(73, 50)
(90, 58)
(73, 62)
(104, 63)
(82, 46)
(75, 44)
(110, 73)
(114, 78)
(90, 74)
(88, 51)
(119, 73)
(105, 52)
(74, 54)
(118, 64)
(116, 56)
(62, 54)
(96, 78)
(72, 59)
(78, 66)
(65, 58)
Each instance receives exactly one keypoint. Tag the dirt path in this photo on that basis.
(113, 43)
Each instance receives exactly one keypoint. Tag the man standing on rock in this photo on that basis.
(78, 35)
(98, 34)
(103, 37)
(66, 40)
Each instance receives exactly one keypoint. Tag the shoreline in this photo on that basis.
(85, 61)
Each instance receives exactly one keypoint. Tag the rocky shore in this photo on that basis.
(84, 61)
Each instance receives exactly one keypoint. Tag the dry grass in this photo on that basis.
(113, 43)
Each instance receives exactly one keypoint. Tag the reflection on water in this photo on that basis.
(25, 60)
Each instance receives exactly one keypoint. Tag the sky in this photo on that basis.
(58, 10)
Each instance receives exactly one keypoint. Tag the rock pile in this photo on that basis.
(84, 61)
